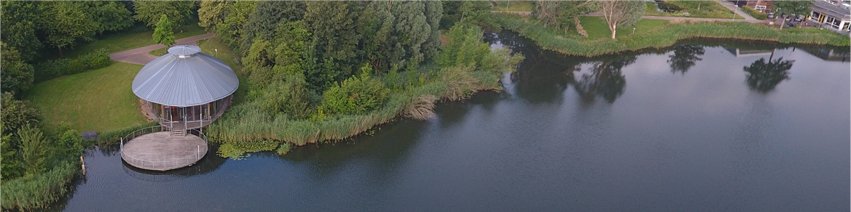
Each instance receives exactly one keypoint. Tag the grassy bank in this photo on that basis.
(654, 34)
(98, 100)
(692, 9)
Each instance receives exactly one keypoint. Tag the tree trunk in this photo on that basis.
(614, 29)
(579, 27)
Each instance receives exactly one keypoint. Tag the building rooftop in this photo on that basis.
(185, 77)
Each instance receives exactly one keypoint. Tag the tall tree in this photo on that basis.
(266, 16)
(792, 8)
(110, 16)
(149, 12)
(21, 20)
(212, 12)
(231, 29)
(334, 38)
(68, 23)
(17, 75)
(163, 33)
(620, 13)
(34, 150)
(561, 15)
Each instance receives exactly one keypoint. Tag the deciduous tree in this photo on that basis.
(149, 12)
(17, 75)
(620, 13)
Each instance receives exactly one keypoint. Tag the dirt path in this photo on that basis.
(140, 55)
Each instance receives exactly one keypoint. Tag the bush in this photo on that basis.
(355, 95)
(65, 66)
(756, 14)
(30, 192)
(16, 114)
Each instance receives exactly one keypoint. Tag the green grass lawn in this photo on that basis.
(514, 6)
(693, 9)
(597, 28)
(654, 34)
(137, 36)
(97, 100)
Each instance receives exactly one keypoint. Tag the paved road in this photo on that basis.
(140, 55)
(732, 7)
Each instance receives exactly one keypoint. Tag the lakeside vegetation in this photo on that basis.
(653, 34)
(295, 97)
(78, 88)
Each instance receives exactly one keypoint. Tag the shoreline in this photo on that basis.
(672, 34)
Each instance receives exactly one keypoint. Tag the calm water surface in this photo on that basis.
(696, 127)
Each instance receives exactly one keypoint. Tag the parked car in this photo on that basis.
(770, 15)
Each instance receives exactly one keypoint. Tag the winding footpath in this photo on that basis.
(142, 56)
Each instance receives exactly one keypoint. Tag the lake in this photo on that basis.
(700, 126)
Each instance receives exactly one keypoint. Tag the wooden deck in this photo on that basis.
(161, 151)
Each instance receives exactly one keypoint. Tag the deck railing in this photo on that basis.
(162, 160)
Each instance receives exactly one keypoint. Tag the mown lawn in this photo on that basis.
(97, 100)
(137, 36)
(693, 9)
(654, 34)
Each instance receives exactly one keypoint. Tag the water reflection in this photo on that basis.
(684, 57)
(604, 79)
(764, 76)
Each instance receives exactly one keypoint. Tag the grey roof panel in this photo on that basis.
(185, 77)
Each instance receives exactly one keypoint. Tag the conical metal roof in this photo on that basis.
(185, 77)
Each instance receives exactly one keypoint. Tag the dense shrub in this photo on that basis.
(38, 191)
(756, 14)
(16, 114)
(355, 95)
(59, 67)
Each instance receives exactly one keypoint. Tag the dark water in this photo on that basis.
(680, 129)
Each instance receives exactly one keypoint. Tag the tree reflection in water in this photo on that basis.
(684, 57)
(605, 79)
(764, 76)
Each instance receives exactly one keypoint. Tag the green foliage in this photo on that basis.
(283, 149)
(54, 68)
(39, 191)
(212, 12)
(474, 10)
(16, 114)
(110, 16)
(17, 75)
(70, 141)
(150, 12)
(289, 96)
(560, 15)
(21, 21)
(793, 7)
(237, 150)
(334, 37)
(263, 22)
(451, 13)
(356, 95)
(34, 150)
(163, 33)
(464, 46)
(68, 23)
(12, 167)
(230, 30)
(756, 14)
